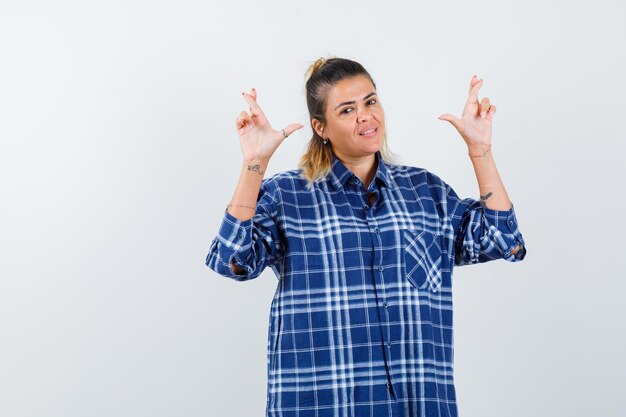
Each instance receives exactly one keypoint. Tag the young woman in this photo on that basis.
(361, 322)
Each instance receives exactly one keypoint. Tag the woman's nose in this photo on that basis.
(363, 115)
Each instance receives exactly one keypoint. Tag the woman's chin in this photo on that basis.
(374, 146)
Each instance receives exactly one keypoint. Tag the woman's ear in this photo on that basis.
(318, 127)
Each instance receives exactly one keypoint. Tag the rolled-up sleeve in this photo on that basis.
(252, 244)
(482, 234)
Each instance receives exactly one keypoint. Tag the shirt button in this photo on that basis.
(355, 181)
(366, 207)
(388, 384)
(380, 267)
(239, 236)
(376, 230)
(389, 345)
(385, 304)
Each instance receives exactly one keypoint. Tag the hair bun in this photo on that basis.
(317, 64)
(314, 67)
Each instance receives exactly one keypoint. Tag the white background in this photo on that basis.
(118, 154)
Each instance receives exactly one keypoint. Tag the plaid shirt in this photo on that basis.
(361, 321)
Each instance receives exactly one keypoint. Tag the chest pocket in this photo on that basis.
(423, 259)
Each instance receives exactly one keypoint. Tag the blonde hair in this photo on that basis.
(322, 75)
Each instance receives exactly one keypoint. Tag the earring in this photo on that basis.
(325, 141)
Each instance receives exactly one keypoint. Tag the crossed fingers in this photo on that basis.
(247, 119)
(484, 109)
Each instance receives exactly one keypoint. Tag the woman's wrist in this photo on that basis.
(479, 150)
(257, 166)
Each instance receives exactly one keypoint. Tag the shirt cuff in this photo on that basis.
(506, 230)
(236, 238)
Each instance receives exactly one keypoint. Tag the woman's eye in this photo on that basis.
(372, 101)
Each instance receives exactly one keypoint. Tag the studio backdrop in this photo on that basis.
(118, 155)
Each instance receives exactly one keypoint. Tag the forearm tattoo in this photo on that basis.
(483, 198)
(256, 168)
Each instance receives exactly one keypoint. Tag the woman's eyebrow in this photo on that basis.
(352, 102)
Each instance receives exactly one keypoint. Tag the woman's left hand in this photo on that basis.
(475, 123)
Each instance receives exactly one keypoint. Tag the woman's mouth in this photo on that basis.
(369, 132)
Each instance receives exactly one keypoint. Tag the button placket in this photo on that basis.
(375, 232)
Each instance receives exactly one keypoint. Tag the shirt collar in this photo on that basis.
(340, 174)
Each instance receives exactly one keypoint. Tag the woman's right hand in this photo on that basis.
(257, 138)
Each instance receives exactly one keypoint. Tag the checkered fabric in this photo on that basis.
(361, 321)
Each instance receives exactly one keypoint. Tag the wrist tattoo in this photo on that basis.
(256, 168)
(483, 198)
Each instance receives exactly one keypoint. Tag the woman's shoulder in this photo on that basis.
(286, 180)
(284, 176)
(419, 179)
(402, 172)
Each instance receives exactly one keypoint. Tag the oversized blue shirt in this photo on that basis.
(361, 321)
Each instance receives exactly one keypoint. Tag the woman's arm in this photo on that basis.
(258, 143)
(242, 249)
(475, 127)
(244, 200)
(492, 190)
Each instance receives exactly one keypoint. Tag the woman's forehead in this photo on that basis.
(349, 89)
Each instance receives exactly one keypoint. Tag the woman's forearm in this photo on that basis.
(243, 203)
(488, 178)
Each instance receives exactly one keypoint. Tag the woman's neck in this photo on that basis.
(364, 167)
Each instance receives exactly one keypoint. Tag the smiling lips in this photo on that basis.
(369, 132)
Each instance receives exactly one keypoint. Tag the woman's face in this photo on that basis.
(355, 119)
